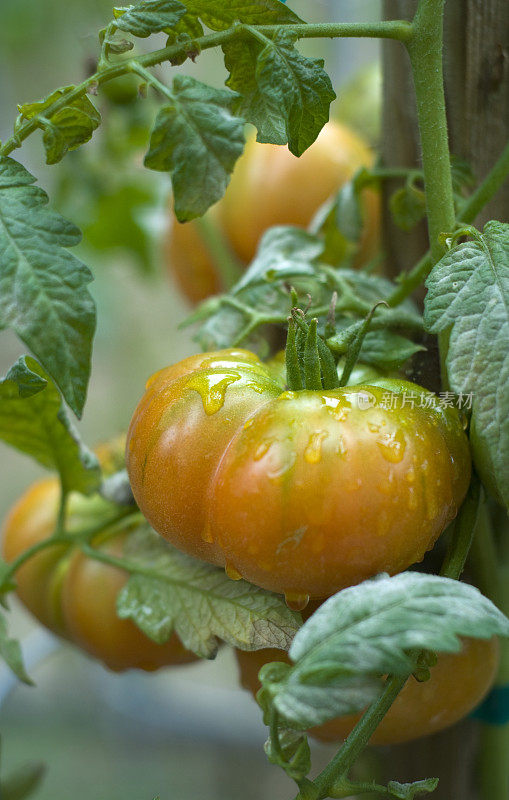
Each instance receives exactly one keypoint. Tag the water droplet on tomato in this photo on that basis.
(392, 446)
(232, 573)
(212, 388)
(262, 449)
(297, 602)
(410, 475)
(313, 451)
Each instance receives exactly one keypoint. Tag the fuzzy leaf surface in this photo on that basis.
(149, 16)
(221, 14)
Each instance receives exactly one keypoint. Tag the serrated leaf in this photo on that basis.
(23, 782)
(189, 24)
(221, 14)
(407, 791)
(255, 106)
(149, 16)
(10, 651)
(198, 140)
(37, 424)
(295, 757)
(284, 252)
(43, 294)
(295, 86)
(408, 206)
(67, 128)
(372, 629)
(468, 292)
(199, 602)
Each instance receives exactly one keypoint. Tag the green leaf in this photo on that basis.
(253, 104)
(468, 294)
(198, 140)
(340, 221)
(22, 783)
(149, 16)
(65, 129)
(199, 602)
(189, 24)
(43, 294)
(10, 651)
(284, 252)
(372, 629)
(295, 756)
(221, 14)
(33, 419)
(407, 791)
(387, 350)
(296, 87)
(408, 206)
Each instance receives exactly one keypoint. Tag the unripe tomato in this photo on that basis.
(72, 595)
(298, 492)
(270, 186)
(457, 684)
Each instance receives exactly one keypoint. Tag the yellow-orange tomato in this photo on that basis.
(72, 595)
(298, 492)
(270, 186)
(457, 684)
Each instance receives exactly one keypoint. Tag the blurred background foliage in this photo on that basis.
(181, 734)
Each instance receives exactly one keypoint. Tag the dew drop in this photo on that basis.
(313, 451)
(262, 449)
(392, 446)
(410, 475)
(232, 573)
(297, 602)
(248, 423)
(212, 389)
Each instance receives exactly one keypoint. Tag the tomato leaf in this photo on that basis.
(408, 206)
(387, 350)
(10, 651)
(294, 755)
(43, 295)
(149, 16)
(198, 601)
(255, 105)
(189, 24)
(33, 419)
(371, 629)
(23, 782)
(407, 791)
(198, 140)
(468, 293)
(284, 252)
(65, 129)
(221, 14)
(293, 87)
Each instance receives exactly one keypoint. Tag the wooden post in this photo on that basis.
(477, 91)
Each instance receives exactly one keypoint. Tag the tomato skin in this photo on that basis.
(458, 683)
(74, 596)
(270, 186)
(298, 492)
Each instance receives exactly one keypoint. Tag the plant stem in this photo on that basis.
(463, 533)
(360, 736)
(393, 29)
(227, 266)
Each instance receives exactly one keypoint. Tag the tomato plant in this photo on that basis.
(457, 684)
(325, 475)
(270, 186)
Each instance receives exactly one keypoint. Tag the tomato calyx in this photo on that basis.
(309, 362)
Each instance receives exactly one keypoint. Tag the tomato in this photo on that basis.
(298, 492)
(457, 684)
(72, 595)
(270, 186)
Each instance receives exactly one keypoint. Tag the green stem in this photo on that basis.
(360, 736)
(227, 266)
(487, 189)
(463, 533)
(396, 29)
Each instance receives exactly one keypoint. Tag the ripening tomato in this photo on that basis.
(75, 596)
(270, 186)
(301, 492)
(457, 684)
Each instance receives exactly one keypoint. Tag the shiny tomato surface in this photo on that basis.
(298, 492)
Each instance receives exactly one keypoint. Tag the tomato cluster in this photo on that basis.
(301, 492)
(457, 684)
(75, 596)
(270, 186)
